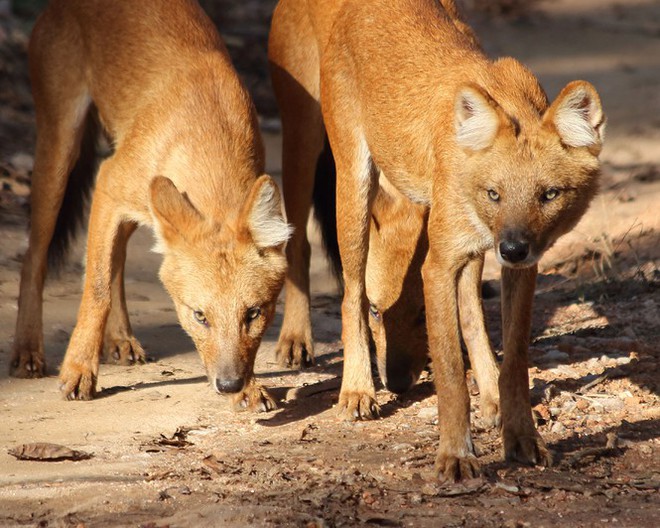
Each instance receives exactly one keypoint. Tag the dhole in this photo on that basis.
(188, 161)
(396, 252)
(405, 90)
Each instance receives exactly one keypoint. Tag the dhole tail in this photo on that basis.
(324, 198)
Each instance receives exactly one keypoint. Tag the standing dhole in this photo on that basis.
(406, 91)
(188, 161)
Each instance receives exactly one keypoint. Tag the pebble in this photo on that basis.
(22, 162)
(565, 370)
(557, 428)
(428, 413)
(553, 355)
(582, 405)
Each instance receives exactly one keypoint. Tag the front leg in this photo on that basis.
(456, 459)
(79, 371)
(522, 442)
(120, 344)
(475, 336)
(356, 183)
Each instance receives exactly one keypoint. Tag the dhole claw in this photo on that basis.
(124, 351)
(27, 366)
(294, 353)
(354, 406)
(527, 449)
(453, 468)
(254, 398)
(490, 412)
(78, 383)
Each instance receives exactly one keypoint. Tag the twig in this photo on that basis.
(610, 449)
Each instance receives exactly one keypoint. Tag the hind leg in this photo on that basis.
(120, 345)
(295, 76)
(60, 115)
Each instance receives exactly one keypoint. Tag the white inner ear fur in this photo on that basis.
(266, 222)
(475, 119)
(579, 119)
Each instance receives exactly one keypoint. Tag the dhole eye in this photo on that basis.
(550, 195)
(252, 314)
(200, 317)
(375, 313)
(493, 195)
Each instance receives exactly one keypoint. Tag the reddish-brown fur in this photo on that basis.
(188, 161)
(406, 91)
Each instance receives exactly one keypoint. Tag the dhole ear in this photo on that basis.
(262, 214)
(175, 216)
(577, 116)
(475, 118)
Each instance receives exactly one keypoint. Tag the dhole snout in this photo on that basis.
(513, 250)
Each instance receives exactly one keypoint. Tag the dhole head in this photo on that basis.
(397, 247)
(531, 170)
(224, 279)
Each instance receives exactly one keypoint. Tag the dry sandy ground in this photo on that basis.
(167, 451)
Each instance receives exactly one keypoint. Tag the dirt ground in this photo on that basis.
(167, 451)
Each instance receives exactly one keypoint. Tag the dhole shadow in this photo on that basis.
(577, 451)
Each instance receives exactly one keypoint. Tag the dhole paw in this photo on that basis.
(357, 406)
(454, 468)
(124, 351)
(78, 382)
(528, 448)
(490, 411)
(27, 365)
(295, 353)
(254, 398)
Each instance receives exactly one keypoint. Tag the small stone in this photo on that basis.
(554, 356)
(557, 428)
(582, 405)
(428, 413)
(22, 162)
(542, 411)
(631, 401)
(415, 499)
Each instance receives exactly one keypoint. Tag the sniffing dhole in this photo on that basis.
(188, 161)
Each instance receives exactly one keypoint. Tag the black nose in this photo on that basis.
(514, 250)
(229, 385)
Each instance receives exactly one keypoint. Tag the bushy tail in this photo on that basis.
(325, 206)
(73, 211)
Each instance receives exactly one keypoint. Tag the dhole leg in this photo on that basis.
(79, 370)
(357, 181)
(522, 442)
(295, 347)
(295, 77)
(455, 458)
(475, 336)
(59, 131)
(120, 344)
